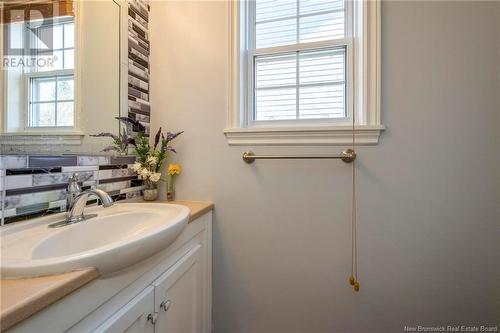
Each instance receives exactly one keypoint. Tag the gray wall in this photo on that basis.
(429, 192)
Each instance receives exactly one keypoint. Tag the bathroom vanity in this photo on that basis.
(169, 291)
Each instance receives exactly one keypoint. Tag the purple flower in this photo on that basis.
(170, 148)
(131, 141)
(157, 137)
(171, 136)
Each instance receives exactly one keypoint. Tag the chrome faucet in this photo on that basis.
(75, 213)
(73, 190)
(76, 210)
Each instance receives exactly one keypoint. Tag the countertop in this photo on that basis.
(197, 208)
(21, 298)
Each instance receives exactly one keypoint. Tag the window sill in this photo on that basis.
(43, 138)
(303, 136)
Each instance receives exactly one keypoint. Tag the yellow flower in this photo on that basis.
(174, 169)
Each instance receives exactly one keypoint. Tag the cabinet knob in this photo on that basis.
(165, 305)
(153, 318)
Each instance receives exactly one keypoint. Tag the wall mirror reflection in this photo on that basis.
(62, 70)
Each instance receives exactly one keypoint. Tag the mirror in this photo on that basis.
(62, 76)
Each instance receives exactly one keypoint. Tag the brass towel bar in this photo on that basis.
(347, 156)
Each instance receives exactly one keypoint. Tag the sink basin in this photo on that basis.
(118, 237)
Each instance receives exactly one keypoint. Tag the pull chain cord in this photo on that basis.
(353, 279)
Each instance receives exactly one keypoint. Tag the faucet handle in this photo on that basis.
(72, 190)
(74, 178)
(73, 185)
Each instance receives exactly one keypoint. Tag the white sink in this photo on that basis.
(118, 237)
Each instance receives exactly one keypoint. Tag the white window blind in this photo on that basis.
(298, 60)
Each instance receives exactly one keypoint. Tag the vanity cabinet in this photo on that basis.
(171, 304)
(168, 293)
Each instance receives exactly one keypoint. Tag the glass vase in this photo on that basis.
(170, 188)
(150, 191)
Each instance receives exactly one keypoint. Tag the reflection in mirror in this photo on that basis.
(110, 73)
(61, 72)
(40, 84)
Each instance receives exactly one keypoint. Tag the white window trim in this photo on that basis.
(364, 96)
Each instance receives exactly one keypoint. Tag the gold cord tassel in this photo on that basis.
(353, 279)
(354, 272)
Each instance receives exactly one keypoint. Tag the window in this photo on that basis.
(51, 87)
(301, 70)
(61, 33)
(52, 101)
(298, 63)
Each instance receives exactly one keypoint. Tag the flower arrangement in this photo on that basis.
(123, 140)
(147, 171)
(150, 159)
(172, 171)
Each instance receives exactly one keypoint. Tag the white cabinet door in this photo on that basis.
(178, 296)
(133, 317)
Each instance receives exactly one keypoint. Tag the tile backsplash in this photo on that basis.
(139, 107)
(33, 185)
